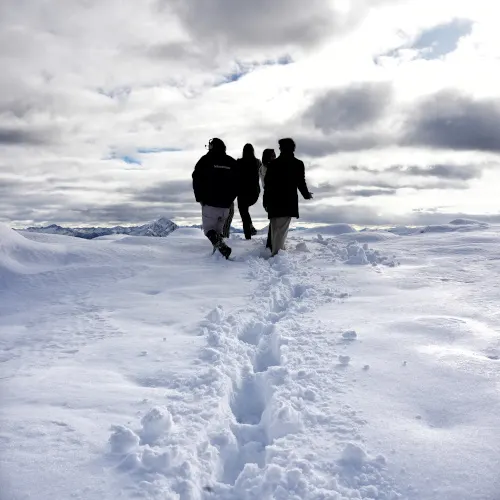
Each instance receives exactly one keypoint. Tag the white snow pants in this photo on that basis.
(279, 233)
(213, 218)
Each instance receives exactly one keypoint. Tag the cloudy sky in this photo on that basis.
(106, 105)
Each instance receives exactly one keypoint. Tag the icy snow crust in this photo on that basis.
(356, 365)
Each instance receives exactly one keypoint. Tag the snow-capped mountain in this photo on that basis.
(158, 228)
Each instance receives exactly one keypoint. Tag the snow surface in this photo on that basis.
(344, 368)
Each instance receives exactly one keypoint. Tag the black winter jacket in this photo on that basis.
(249, 186)
(215, 180)
(284, 176)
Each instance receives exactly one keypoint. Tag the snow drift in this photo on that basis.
(332, 229)
(18, 255)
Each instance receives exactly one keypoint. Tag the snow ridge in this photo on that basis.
(260, 392)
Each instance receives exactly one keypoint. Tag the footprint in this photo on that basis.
(253, 332)
(247, 402)
(268, 353)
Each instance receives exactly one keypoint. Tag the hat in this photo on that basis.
(216, 144)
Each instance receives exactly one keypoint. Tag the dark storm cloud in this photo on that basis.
(16, 136)
(441, 171)
(255, 24)
(51, 201)
(338, 143)
(341, 188)
(349, 108)
(366, 216)
(369, 192)
(180, 191)
(130, 213)
(451, 120)
(349, 214)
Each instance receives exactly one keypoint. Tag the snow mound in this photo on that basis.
(458, 225)
(353, 253)
(302, 247)
(332, 229)
(353, 455)
(368, 236)
(19, 255)
(468, 222)
(404, 230)
(189, 232)
(156, 423)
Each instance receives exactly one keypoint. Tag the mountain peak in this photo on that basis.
(158, 228)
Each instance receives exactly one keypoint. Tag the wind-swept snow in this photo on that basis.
(361, 365)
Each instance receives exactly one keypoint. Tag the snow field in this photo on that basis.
(135, 367)
(262, 394)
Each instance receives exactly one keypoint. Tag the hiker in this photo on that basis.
(249, 190)
(215, 185)
(284, 176)
(268, 155)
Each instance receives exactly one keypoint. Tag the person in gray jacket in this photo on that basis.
(215, 185)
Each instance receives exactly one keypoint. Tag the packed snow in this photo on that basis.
(355, 365)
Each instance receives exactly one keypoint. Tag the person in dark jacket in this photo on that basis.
(268, 155)
(249, 191)
(284, 176)
(215, 185)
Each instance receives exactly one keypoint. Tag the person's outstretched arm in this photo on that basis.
(301, 181)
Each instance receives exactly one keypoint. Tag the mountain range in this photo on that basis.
(158, 228)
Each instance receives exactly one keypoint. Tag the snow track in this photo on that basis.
(294, 383)
(263, 397)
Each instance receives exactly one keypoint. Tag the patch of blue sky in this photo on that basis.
(443, 39)
(437, 41)
(242, 68)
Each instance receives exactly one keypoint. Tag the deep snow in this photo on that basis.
(354, 365)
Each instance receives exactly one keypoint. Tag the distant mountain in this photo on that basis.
(158, 228)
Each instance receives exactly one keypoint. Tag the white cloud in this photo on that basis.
(90, 82)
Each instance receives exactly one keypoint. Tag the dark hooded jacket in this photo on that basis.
(249, 186)
(284, 176)
(215, 179)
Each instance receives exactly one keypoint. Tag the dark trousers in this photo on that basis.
(246, 219)
(268, 243)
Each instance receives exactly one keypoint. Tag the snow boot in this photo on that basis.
(224, 249)
(219, 244)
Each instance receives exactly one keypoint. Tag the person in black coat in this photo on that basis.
(284, 177)
(268, 155)
(215, 185)
(249, 191)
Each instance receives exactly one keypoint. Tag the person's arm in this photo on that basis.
(268, 186)
(237, 181)
(262, 174)
(301, 180)
(198, 178)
